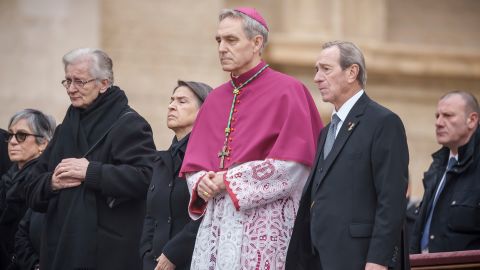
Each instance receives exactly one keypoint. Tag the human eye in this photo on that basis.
(66, 83)
(327, 69)
(230, 39)
(78, 82)
(10, 136)
(21, 136)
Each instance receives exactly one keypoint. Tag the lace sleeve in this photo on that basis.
(260, 182)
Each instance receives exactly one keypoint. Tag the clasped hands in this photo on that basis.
(210, 185)
(70, 172)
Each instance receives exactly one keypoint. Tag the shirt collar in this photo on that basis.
(347, 106)
(454, 156)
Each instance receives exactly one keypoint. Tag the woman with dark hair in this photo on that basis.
(169, 234)
(29, 132)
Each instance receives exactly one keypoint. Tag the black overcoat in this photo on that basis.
(98, 224)
(27, 240)
(12, 208)
(168, 228)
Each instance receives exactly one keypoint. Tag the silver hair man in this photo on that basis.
(350, 54)
(102, 67)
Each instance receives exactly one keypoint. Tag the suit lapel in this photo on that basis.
(320, 143)
(348, 128)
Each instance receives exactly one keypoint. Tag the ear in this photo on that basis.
(42, 145)
(104, 85)
(352, 73)
(472, 120)
(257, 43)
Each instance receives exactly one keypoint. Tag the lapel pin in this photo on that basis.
(350, 126)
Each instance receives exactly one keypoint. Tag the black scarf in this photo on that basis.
(71, 227)
(177, 151)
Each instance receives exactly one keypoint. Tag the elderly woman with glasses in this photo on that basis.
(29, 132)
(93, 178)
(169, 234)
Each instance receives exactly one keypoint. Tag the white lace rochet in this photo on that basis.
(249, 226)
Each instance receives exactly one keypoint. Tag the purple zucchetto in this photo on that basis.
(254, 14)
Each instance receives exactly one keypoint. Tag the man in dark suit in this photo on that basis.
(449, 218)
(353, 206)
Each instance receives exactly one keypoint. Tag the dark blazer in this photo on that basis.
(456, 219)
(167, 227)
(357, 211)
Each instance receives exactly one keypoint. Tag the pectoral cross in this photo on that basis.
(222, 154)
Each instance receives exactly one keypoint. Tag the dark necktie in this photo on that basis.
(426, 230)
(327, 147)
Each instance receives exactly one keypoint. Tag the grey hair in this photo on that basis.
(251, 27)
(471, 103)
(350, 54)
(101, 67)
(38, 122)
(201, 90)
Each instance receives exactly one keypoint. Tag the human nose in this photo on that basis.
(439, 122)
(319, 76)
(71, 88)
(13, 140)
(221, 46)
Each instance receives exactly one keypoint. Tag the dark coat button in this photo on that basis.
(152, 187)
(169, 220)
(170, 184)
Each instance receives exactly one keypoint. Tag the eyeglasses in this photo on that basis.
(21, 136)
(77, 83)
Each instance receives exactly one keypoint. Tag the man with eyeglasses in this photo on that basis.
(92, 179)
